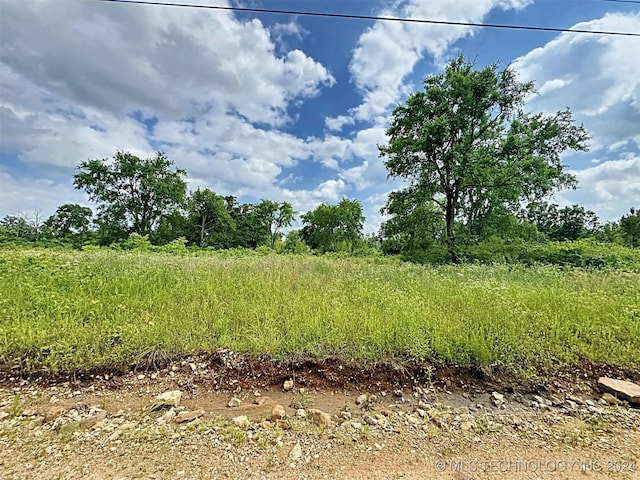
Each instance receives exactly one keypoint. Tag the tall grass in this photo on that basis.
(62, 310)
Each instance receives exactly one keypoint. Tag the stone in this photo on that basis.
(95, 415)
(234, 402)
(169, 398)
(288, 385)
(29, 412)
(282, 424)
(609, 399)
(184, 417)
(277, 413)
(356, 425)
(301, 413)
(296, 452)
(168, 416)
(3, 415)
(319, 417)
(541, 401)
(369, 420)
(497, 399)
(465, 426)
(241, 421)
(623, 389)
(54, 411)
(361, 400)
(259, 400)
(397, 393)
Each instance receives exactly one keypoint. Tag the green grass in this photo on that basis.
(69, 310)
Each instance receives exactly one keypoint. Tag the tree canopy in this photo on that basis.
(466, 146)
(133, 194)
(331, 228)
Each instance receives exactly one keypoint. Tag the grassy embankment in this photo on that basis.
(66, 310)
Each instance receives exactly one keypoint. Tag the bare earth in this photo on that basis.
(99, 428)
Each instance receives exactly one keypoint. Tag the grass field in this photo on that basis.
(68, 310)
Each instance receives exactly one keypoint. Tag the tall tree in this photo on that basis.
(333, 227)
(70, 218)
(630, 225)
(276, 216)
(561, 224)
(466, 145)
(210, 221)
(133, 194)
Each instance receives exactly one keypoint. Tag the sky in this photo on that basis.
(291, 107)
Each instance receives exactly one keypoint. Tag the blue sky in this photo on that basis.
(291, 108)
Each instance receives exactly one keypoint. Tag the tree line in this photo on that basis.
(477, 168)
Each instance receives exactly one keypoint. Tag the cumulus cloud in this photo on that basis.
(388, 51)
(609, 189)
(597, 76)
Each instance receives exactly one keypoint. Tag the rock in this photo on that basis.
(541, 401)
(184, 417)
(296, 452)
(288, 385)
(361, 400)
(621, 389)
(369, 420)
(3, 415)
(260, 400)
(29, 412)
(168, 416)
(95, 415)
(609, 399)
(241, 421)
(345, 415)
(319, 417)
(170, 398)
(397, 393)
(301, 413)
(356, 425)
(277, 413)
(282, 424)
(497, 399)
(234, 402)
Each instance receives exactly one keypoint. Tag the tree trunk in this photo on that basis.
(449, 217)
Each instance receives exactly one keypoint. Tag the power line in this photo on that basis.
(373, 17)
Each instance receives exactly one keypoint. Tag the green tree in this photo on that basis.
(133, 194)
(561, 224)
(69, 219)
(466, 146)
(630, 225)
(209, 219)
(333, 227)
(276, 217)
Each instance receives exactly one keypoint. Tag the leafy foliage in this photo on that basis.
(331, 228)
(133, 194)
(467, 148)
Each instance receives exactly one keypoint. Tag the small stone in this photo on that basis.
(301, 413)
(610, 399)
(319, 417)
(29, 412)
(288, 385)
(141, 377)
(345, 415)
(397, 393)
(259, 400)
(234, 402)
(54, 411)
(362, 399)
(168, 416)
(170, 398)
(282, 424)
(184, 417)
(621, 388)
(241, 421)
(369, 420)
(296, 452)
(356, 425)
(3, 415)
(277, 413)
(95, 415)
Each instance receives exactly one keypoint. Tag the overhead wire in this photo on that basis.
(377, 18)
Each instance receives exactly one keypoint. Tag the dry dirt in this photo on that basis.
(422, 424)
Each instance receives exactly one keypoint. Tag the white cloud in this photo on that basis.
(597, 76)
(388, 51)
(609, 189)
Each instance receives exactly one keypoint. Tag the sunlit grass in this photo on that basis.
(63, 310)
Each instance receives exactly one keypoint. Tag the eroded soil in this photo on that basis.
(385, 422)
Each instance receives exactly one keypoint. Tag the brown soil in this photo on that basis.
(434, 423)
